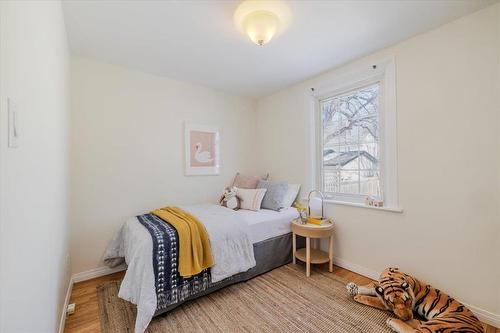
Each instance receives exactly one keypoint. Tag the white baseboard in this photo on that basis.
(95, 273)
(62, 322)
(369, 273)
(483, 315)
(83, 276)
(487, 317)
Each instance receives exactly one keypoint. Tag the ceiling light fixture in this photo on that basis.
(262, 20)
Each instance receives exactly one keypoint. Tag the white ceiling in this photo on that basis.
(196, 41)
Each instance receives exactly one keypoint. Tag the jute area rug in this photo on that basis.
(283, 300)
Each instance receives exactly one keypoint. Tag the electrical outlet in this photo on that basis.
(70, 309)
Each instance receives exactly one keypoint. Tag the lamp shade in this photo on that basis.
(261, 26)
(261, 20)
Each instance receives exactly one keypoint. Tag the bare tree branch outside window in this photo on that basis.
(350, 142)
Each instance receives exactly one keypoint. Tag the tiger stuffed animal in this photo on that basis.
(402, 294)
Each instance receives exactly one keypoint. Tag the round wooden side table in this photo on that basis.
(308, 255)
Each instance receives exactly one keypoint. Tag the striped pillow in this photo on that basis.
(250, 199)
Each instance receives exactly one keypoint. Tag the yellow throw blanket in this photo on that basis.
(195, 253)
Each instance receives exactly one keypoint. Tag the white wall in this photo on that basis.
(448, 157)
(127, 149)
(498, 170)
(34, 268)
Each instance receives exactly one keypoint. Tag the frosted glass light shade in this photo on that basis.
(262, 20)
(261, 26)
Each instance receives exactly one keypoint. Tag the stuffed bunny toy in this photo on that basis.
(230, 199)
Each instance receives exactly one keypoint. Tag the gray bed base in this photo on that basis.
(269, 254)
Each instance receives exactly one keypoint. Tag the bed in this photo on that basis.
(266, 232)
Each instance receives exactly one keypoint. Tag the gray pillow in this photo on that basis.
(275, 194)
(291, 195)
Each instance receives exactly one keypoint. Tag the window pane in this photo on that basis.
(331, 179)
(368, 156)
(349, 182)
(370, 183)
(350, 142)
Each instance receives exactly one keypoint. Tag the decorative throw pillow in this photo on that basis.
(291, 195)
(250, 199)
(275, 194)
(244, 181)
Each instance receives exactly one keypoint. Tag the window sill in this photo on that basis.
(360, 205)
(354, 204)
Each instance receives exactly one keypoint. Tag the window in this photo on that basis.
(355, 136)
(350, 130)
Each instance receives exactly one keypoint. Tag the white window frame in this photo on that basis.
(384, 72)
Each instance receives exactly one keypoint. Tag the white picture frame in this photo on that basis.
(202, 150)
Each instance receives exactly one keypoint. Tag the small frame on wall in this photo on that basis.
(202, 149)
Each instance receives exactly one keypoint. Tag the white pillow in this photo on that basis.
(250, 199)
(291, 195)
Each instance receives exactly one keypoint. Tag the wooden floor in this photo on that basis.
(86, 317)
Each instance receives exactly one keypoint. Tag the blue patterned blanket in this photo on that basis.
(171, 288)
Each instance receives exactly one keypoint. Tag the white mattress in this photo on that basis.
(266, 223)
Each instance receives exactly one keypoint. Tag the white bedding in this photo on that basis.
(266, 223)
(231, 234)
(230, 242)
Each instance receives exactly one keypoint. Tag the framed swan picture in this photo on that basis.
(202, 144)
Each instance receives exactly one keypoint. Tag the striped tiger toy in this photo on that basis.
(402, 294)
